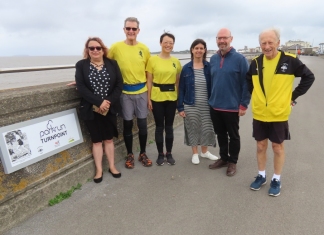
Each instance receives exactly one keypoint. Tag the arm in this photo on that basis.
(306, 81)
(149, 78)
(71, 83)
(208, 80)
(179, 68)
(246, 96)
(249, 79)
(117, 89)
(181, 92)
(84, 91)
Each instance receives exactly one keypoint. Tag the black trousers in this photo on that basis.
(164, 113)
(226, 127)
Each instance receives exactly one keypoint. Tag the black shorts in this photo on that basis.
(276, 132)
(102, 127)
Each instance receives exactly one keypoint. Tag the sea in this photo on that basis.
(26, 79)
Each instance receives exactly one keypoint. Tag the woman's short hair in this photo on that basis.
(195, 43)
(98, 40)
(167, 35)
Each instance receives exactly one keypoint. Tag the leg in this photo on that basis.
(158, 114)
(141, 112)
(195, 149)
(221, 132)
(261, 135)
(169, 113)
(142, 133)
(279, 157)
(279, 133)
(128, 135)
(110, 153)
(97, 152)
(204, 149)
(232, 125)
(262, 154)
(128, 104)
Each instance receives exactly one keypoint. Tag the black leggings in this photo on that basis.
(163, 113)
(142, 134)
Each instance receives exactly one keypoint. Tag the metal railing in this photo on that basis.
(44, 68)
(57, 67)
(35, 68)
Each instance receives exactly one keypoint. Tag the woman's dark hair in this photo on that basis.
(195, 43)
(167, 35)
(98, 40)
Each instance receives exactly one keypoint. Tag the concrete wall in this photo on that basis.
(28, 190)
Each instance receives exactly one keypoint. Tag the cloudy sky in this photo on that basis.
(60, 27)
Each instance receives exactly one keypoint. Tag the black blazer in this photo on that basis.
(88, 97)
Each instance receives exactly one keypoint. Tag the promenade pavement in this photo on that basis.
(192, 199)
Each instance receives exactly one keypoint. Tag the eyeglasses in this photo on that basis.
(130, 28)
(93, 48)
(168, 43)
(223, 38)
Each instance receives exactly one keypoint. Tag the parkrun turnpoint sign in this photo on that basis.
(25, 143)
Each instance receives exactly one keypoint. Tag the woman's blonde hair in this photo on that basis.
(98, 40)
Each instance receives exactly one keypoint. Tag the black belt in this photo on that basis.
(165, 87)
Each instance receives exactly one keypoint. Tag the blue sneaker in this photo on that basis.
(275, 188)
(259, 181)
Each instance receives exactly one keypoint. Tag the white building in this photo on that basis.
(299, 42)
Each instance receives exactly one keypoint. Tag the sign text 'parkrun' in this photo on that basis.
(51, 133)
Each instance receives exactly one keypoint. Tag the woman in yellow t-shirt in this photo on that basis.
(163, 72)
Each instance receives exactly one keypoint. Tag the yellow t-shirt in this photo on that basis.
(132, 61)
(269, 68)
(164, 71)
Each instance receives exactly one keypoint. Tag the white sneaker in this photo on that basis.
(195, 159)
(209, 156)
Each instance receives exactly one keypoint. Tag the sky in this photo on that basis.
(61, 27)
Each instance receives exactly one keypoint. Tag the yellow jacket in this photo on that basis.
(275, 107)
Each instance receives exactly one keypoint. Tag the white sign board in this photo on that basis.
(25, 143)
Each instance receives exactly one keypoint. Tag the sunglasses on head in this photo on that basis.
(130, 28)
(93, 48)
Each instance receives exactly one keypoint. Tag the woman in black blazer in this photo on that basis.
(99, 82)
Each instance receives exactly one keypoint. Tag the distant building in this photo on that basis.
(293, 48)
(299, 42)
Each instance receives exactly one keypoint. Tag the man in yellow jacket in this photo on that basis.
(270, 81)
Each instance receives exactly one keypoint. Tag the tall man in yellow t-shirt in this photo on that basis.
(132, 57)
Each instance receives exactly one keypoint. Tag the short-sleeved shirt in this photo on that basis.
(164, 71)
(132, 61)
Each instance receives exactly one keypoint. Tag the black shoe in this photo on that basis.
(170, 159)
(160, 160)
(118, 175)
(98, 180)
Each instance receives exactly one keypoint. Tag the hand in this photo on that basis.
(149, 105)
(182, 114)
(105, 105)
(241, 112)
(71, 83)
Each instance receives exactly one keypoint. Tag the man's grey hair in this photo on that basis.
(274, 30)
(132, 19)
